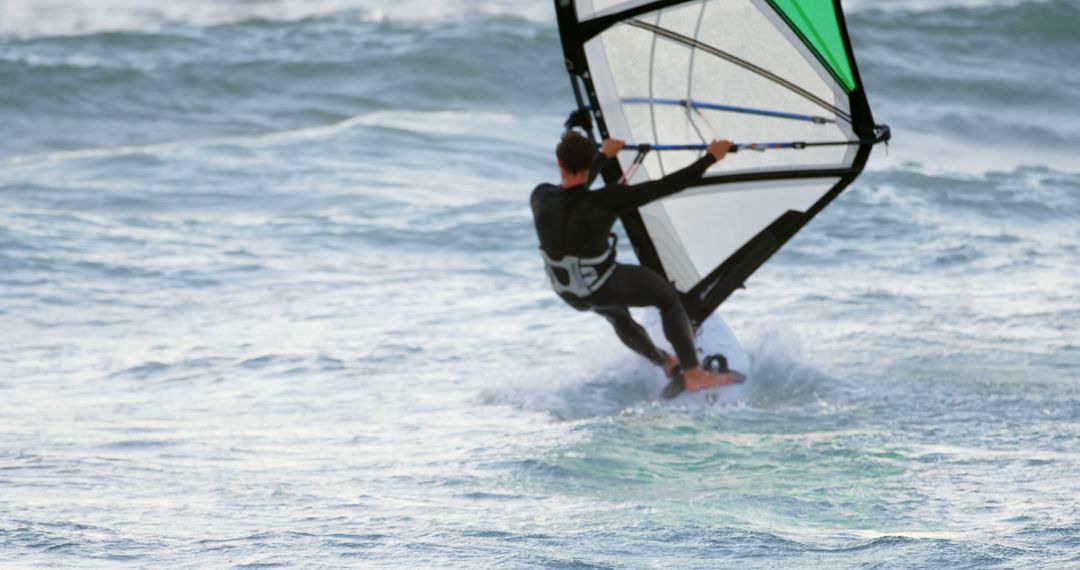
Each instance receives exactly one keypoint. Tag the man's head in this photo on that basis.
(575, 153)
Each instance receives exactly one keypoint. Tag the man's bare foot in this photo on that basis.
(698, 379)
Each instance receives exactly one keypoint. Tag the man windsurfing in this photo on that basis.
(574, 226)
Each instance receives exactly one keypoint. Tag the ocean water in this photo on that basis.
(269, 297)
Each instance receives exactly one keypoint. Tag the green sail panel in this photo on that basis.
(816, 22)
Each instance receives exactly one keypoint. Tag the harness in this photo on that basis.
(580, 276)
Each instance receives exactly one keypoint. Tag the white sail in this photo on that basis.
(670, 73)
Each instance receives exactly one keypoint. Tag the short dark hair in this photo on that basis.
(575, 152)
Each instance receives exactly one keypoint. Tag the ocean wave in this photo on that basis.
(377, 131)
(923, 6)
(1024, 16)
(927, 72)
(1006, 42)
(135, 88)
(60, 18)
(1037, 195)
(65, 18)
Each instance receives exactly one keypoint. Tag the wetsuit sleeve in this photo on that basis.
(618, 199)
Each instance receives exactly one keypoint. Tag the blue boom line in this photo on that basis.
(881, 135)
(734, 148)
(729, 108)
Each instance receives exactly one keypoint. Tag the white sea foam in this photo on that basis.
(931, 5)
(45, 18)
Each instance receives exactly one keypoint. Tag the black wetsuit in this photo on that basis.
(577, 221)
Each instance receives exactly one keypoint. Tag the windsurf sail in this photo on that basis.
(777, 77)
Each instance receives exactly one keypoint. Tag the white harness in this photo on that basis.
(579, 276)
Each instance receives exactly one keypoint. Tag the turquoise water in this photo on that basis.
(269, 297)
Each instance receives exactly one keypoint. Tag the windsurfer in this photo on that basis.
(574, 226)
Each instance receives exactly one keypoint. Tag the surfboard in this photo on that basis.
(712, 338)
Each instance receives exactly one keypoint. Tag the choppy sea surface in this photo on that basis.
(269, 297)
